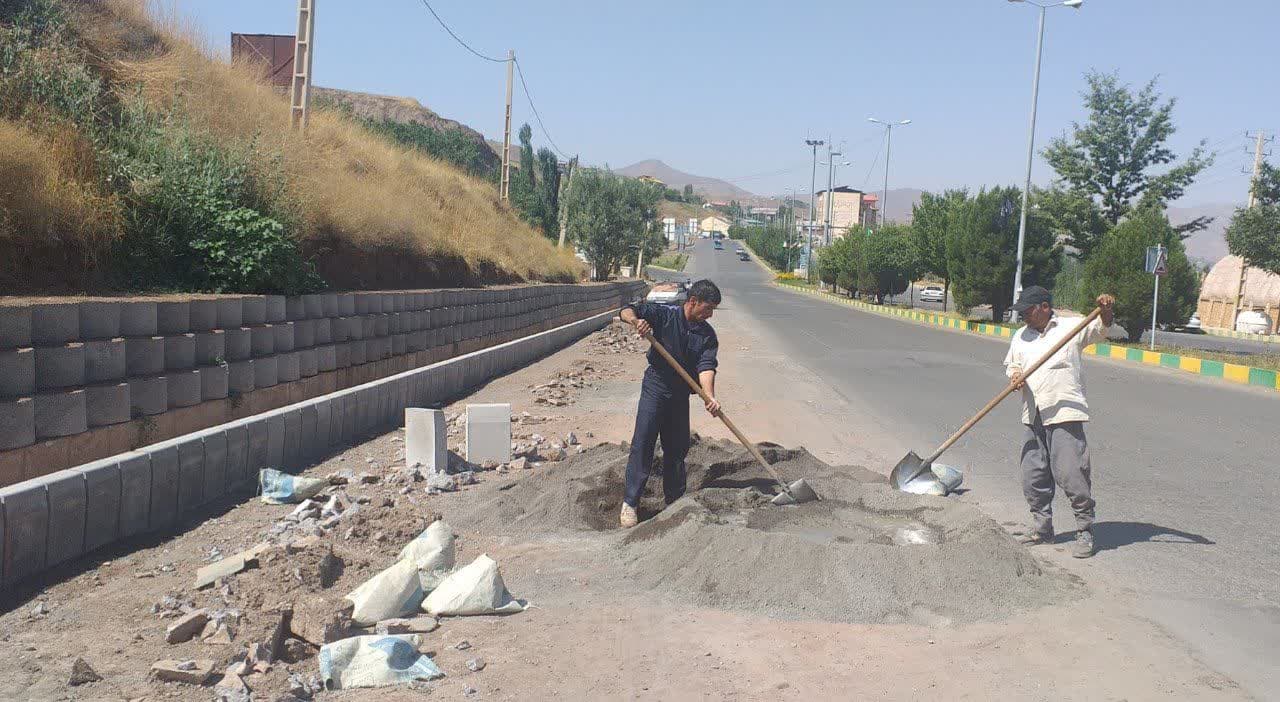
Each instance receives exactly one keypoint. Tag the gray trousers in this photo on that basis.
(1056, 454)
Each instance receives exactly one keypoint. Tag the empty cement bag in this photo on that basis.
(392, 593)
(432, 552)
(473, 589)
(375, 661)
(281, 488)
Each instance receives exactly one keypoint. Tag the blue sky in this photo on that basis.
(731, 89)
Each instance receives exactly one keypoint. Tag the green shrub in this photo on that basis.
(449, 145)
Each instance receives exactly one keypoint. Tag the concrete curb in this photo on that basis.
(1261, 338)
(1235, 373)
(61, 516)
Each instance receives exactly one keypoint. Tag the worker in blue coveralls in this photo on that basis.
(664, 396)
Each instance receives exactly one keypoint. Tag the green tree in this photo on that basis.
(1074, 217)
(1254, 232)
(1117, 268)
(892, 260)
(688, 193)
(1113, 155)
(929, 226)
(611, 218)
(547, 190)
(523, 191)
(982, 245)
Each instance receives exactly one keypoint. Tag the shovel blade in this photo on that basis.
(909, 468)
(798, 492)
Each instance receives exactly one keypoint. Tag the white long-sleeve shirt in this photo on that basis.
(1057, 387)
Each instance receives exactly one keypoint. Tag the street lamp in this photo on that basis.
(884, 197)
(1031, 139)
(813, 183)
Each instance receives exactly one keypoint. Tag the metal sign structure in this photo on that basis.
(1157, 264)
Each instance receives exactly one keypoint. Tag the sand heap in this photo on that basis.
(865, 553)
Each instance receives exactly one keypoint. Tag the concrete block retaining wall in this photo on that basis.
(57, 517)
(86, 380)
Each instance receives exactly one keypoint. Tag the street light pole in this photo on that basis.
(813, 184)
(884, 195)
(1031, 141)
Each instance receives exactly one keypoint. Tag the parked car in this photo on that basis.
(1191, 326)
(669, 293)
(932, 293)
(743, 256)
(719, 246)
(1253, 322)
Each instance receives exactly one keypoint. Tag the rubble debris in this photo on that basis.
(232, 688)
(413, 625)
(304, 688)
(82, 673)
(317, 621)
(571, 439)
(520, 463)
(191, 672)
(553, 454)
(40, 609)
(221, 634)
(281, 633)
(475, 665)
(231, 565)
(463, 645)
(186, 627)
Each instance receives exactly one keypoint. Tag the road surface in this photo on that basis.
(1185, 467)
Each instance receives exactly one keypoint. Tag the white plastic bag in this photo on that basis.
(392, 593)
(281, 488)
(474, 589)
(432, 552)
(375, 661)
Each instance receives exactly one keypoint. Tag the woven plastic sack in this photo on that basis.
(375, 661)
(473, 589)
(392, 593)
(281, 488)
(432, 552)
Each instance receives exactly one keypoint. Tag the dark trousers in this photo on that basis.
(1057, 454)
(661, 413)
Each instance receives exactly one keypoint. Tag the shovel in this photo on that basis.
(912, 467)
(792, 494)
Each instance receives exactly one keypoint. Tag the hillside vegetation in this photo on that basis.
(129, 160)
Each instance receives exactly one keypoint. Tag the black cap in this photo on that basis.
(1031, 297)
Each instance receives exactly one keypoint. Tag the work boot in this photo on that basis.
(1031, 537)
(628, 518)
(1083, 547)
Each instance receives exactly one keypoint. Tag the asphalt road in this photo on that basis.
(1185, 469)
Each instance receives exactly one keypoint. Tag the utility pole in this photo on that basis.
(303, 44)
(1238, 302)
(504, 191)
(831, 169)
(813, 182)
(571, 167)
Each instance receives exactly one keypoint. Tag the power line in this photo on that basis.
(529, 97)
(873, 165)
(457, 38)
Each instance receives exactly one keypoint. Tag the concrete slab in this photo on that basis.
(488, 433)
(324, 425)
(190, 474)
(259, 446)
(164, 487)
(67, 505)
(26, 528)
(351, 419)
(135, 493)
(215, 465)
(275, 441)
(293, 438)
(308, 435)
(237, 455)
(426, 438)
(102, 502)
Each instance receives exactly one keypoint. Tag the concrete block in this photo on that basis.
(326, 357)
(144, 355)
(149, 395)
(324, 425)
(215, 465)
(351, 418)
(17, 371)
(308, 362)
(214, 382)
(488, 433)
(204, 314)
(364, 411)
(342, 354)
(15, 326)
(17, 423)
(313, 306)
(164, 486)
(426, 438)
(254, 310)
(238, 343)
(275, 308)
(99, 319)
(240, 377)
(238, 471)
(284, 336)
(60, 366)
(26, 528)
(135, 493)
(230, 312)
(368, 327)
(139, 318)
(295, 308)
(265, 372)
(276, 432)
(102, 502)
(211, 347)
(259, 447)
(104, 360)
(381, 324)
(337, 416)
(60, 413)
(288, 367)
(262, 340)
(322, 331)
(55, 323)
(304, 334)
(180, 351)
(399, 344)
(340, 329)
(183, 388)
(173, 317)
(359, 351)
(67, 505)
(329, 303)
(397, 302)
(308, 434)
(190, 474)
(107, 403)
(346, 304)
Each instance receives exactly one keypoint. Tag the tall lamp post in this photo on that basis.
(884, 197)
(1031, 138)
(813, 184)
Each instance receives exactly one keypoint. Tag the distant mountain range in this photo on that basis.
(710, 188)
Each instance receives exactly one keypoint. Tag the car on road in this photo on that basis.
(673, 293)
(743, 256)
(932, 293)
(719, 246)
(1191, 326)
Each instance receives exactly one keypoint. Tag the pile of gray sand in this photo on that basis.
(864, 553)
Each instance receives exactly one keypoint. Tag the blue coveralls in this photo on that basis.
(664, 398)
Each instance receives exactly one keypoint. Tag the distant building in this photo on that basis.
(715, 223)
(768, 214)
(870, 212)
(1231, 288)
(669, 228)
(846, 208)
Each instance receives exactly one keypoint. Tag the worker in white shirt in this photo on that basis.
(1054, 410)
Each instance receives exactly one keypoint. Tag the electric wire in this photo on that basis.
(457, 38)
(525, 86)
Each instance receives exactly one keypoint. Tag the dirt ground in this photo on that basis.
(589, 633)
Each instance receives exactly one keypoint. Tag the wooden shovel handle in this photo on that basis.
(1011, 387)
(693, 385)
